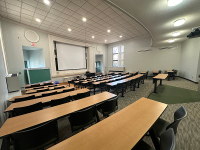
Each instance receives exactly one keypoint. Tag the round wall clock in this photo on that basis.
(31, 36)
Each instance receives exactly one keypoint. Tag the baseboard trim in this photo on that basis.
(188, 79)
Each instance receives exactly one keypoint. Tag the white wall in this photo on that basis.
(189, 63)
(153, 60)
(36, 58)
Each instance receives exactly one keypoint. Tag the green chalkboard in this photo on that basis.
(39, 75)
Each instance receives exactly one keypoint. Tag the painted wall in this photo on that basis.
(189, 62)
(153, 60)
(36, 58)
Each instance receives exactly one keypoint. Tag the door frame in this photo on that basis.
(102, 63)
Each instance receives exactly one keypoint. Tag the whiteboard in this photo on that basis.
(70, 57)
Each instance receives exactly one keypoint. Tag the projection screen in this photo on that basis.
(70, 57)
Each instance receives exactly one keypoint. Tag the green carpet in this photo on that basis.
(173, 95)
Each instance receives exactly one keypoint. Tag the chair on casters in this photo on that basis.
(108, 107)
(36, 137)
(82, 118)
(161, 125)
(167, 142)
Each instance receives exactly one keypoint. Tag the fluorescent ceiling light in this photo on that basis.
(93, 37)
(108, 31)
(38, 20)
(84, 19)
(176, 33)
(120, 36)
(105, 40)
(46, 2)
(174, 2)
(171, 41)
(179, 22)
(69, 29)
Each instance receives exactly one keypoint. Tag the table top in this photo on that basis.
(143, 72)
(40, 93)
(155, 71)
(134, 72)
(45, 99)
(21, 122)
(41, 84)
(121, 130)
(161, 76)
(169, 71)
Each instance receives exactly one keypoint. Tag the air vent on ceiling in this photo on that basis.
(170, 47)
(147, 50)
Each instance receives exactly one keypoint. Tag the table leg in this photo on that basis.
(134, 86)
(143, 80)
(154, 139)
(6, 142)
(155, 85)
(138, 83)
(94, 90)
(97, 114)
(160, 81)
(122, 92)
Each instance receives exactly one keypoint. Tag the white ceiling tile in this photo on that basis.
(14, 2)
(39, 16)
(64, 16)
(3, 9)
(113, 15)
(68, 22)
(51, 16)
(3, 4)
(30, 2)
(68, 11)
(101, 15)
(46, 22)
(4, 14)
(25, 20)
(102, 6)
(15, 17)
(108, 11)
(55, 12)
(58, 7)
(41, 12)
(95, 11)
(78, 2)
(82, 11)
(28, 7)
(63, 2)
(72, 19)
(87, 6)
(73, 7)
(89, 15)
(10, 11)
(13, 7)
(27, 12)
(26, 16)
(43, 7)
(60, 19)
(49, 19)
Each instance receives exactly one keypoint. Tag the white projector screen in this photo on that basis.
(70, 57)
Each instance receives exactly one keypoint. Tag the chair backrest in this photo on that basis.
(24, 98)
(38, 87)
(49, 83)
(110, 105)
(159, 71)
(68, 90)
(49, 94)
(60, 101)
(43, 90)
(119, 86)
(27, 109)
(82, 117)
(86, 94)
(35, 85)
(167, 140)
(36, 137)
(78, 96)
(178, 116)
(59, 87)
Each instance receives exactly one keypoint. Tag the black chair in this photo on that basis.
(119, 88)
(27, 109)
(38, 87)
(86, 94)
(167, 142)
(159, 71)
(89, 85)
(24, 98)
(35, 85)
(131, 84)
(61, 87)
(82, 118)
(67, 90)
(36, 137)
(102, 86)
(43, 90)
(49, 94)
(78, 96)
(60, 101)
(125, 85)
(49, 83)
(108, 107)
(161, 125)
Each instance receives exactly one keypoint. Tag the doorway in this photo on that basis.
(99, 63)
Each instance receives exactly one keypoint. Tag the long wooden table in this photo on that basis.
(121, 131)
(31, 119)
(44, 99)
(159, 77)
(40, 93)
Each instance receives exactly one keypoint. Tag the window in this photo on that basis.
(118, 56)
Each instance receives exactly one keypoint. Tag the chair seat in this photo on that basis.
(141, 145)
(105, 113)
(160, 126)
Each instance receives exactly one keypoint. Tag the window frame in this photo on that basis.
(119, 60)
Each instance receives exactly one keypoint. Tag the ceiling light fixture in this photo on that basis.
(174, 2)
(176, 33)
(93, 37)
(46, 2)
(179, 22)
(120, 36)
(105, 40)
(171, 41)
(108, 31)
(69, 29)
(38, 20)
(84, 19)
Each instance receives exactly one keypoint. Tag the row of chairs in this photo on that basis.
(47, 89)
(38, 85)
(43, 95)
(39, 136)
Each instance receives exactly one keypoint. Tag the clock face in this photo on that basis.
(31, 36)
(99, 48)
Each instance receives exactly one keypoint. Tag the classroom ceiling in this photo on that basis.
(158, 17)
(60, 15)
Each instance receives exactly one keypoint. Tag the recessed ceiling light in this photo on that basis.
(69, 29)
(120, 36)
(171, 41)
(93, 37)
(108, 31)
(174, 2)
(179, 22)
(176, 33)
(84, 19)
(46, 2)
(38, 20)
(105, 40)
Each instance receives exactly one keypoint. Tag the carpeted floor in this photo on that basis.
(188, 135)
(174, 95)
